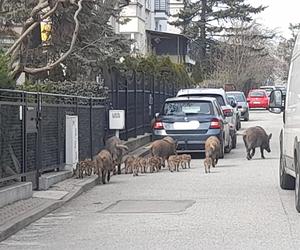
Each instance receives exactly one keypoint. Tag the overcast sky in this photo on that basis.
(279, 14)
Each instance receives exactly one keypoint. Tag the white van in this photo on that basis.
(290, 133)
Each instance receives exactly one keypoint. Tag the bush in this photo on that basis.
(160, 67)
(87, 89)
(6, 82)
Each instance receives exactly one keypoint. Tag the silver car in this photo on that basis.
(241, 104)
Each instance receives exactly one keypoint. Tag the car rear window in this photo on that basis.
(257, 94)
(219, 98)
(187, 108)
(238, 96)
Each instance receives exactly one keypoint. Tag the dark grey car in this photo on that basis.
(190, 121)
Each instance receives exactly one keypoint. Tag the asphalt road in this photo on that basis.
(238, 206)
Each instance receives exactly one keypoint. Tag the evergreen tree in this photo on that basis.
(204, 21)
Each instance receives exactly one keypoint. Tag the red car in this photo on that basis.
(258, 98)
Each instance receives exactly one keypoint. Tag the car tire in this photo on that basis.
(228, 148)
(247, 117)
(234, 139)
(297, 188)
(222, 150)
(287, 182)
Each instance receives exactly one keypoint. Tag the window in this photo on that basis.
(182, 108)
(162, 5)
(257, 94)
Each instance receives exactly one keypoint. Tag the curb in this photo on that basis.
(12, 227)
(20, 222)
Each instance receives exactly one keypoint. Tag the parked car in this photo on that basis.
(242, 104)
(190, 121)
(236, 113)
(289, 167)
(222, 99)
(258, 98)
(268, 89)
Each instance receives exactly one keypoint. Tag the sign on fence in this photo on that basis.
(116, 120)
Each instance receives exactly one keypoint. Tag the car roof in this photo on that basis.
(252, 90)
(267, 87)
(195, 91)
(190, 98)
(234, 92)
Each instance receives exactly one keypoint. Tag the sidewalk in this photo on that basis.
(20, 214)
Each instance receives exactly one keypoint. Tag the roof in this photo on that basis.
(234, 92)
(196, 91)
(161, 33)
(191, 98)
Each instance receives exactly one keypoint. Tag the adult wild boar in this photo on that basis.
(104, 165)
(117, 149)
(163, 148)
(212, 152)
(255, 137)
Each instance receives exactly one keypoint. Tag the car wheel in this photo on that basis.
(246, 118)
(228, 148)
(287, 182)
(234, 141)
(297, 191)
(222, 149)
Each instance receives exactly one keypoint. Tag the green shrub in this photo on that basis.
(6, 82)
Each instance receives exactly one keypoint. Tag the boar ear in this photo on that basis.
(270, 136)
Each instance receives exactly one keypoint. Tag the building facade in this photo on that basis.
(146, 22)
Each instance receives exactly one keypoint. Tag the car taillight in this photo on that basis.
(158, 125)
(215, 123)
(228, 112)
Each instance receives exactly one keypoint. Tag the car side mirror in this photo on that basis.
(276, 104)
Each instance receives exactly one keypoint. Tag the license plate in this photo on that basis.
(256, 102)
(186, 125)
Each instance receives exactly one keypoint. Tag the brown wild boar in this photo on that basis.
(173, 162)
(256, 137)
(104, 165)
(117, 149)
(207, 164)
(129, 161)
(163, 148)
(154, 163)
(212, 151)
(185, 160)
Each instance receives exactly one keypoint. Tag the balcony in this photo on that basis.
(162, 6)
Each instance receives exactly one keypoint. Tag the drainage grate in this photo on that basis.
(148, 206)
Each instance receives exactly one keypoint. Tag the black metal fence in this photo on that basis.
(32, 132)
(32, 125)
(141, 95)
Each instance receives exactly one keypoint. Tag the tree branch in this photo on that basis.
(64, 56)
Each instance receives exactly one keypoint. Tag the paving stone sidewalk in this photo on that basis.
(20, 214)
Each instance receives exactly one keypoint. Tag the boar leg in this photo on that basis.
(108, 176)
(253, 152)
(103, 176)
(262, 152)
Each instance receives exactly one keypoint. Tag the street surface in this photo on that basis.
(238, 206)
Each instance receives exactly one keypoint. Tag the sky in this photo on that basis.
(279, 14)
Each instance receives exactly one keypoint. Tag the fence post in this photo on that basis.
(127, 109)
(153, 93)
(144, 98)
(91, 127)
(135, 104)
(38, 138)
(24, 137)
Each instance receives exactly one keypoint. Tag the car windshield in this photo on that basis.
(187, 108)
(257, 94)
(218, 97)
(238, 96)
